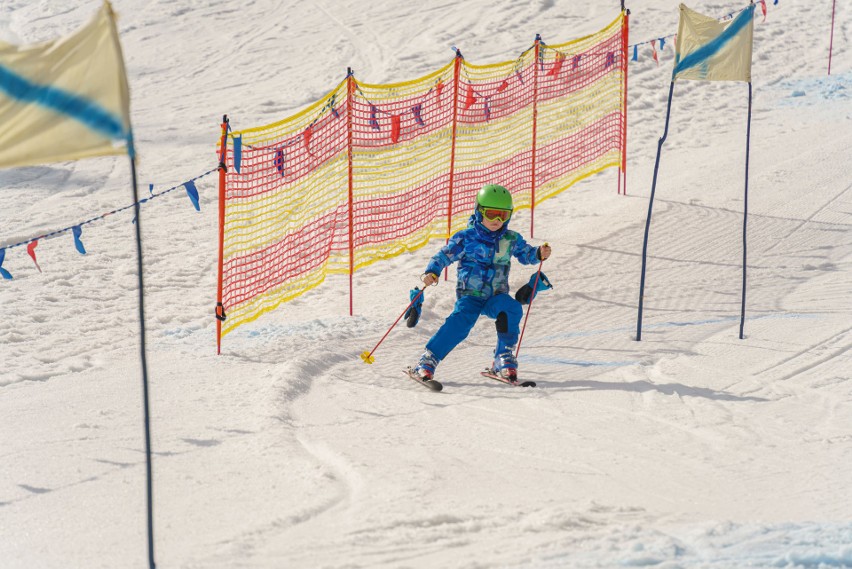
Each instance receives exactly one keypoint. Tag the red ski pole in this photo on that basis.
(368, 356)
(532, 296)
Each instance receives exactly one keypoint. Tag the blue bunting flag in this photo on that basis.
(192, 192)
(78, 231)
(238, 152)
(6, 274)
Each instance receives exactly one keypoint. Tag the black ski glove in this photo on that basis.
(412, 315)
(525, 293)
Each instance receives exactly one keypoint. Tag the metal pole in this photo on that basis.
(223, 169)
(648, 220)
(145, 407)
(831, 42)
(368, 356)
(745, 212)
(529, 308)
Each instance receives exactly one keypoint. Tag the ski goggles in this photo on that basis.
(495, 214)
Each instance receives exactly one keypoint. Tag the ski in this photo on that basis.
(490, 374)
(428, 383)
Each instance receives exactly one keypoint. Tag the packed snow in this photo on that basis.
(691, 448)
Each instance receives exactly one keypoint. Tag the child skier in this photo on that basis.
(484, 251)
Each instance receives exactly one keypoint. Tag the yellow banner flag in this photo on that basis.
(65, 99)
(709, 50)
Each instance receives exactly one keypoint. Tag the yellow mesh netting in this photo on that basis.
(371, 171)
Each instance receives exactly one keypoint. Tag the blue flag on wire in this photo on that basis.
(192, 192)
(238, 152)
(78, 231)
(6, 274)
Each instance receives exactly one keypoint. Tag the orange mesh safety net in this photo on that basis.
(372, 171)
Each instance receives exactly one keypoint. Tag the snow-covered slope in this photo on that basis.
(691, 448)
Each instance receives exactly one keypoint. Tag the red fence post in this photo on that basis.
(456, 75)
(223, 168)
(534, 131)
(624, 39)
(350, 92)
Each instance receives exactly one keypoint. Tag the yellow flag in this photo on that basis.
(709, 50)
(65, 99)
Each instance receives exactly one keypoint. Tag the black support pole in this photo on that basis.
(146, 414)
(648, 220)
(745, 212)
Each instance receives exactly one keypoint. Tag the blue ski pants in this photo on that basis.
(465, 314)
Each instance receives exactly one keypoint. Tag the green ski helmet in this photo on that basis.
(494, 196)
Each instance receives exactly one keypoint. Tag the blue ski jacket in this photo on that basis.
(483, 257)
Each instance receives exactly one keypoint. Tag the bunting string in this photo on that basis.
(77, 228)
(657, 44)
(470, 94)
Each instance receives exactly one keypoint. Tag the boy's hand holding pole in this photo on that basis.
(429, 279)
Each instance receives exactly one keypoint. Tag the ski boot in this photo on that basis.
(426, 366)
(505, 365)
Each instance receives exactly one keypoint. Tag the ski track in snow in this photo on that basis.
(691, 448)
